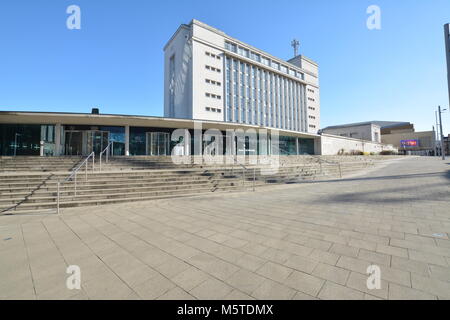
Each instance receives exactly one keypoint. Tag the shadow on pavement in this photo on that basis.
(403, 176)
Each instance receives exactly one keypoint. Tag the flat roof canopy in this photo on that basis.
(23, 117)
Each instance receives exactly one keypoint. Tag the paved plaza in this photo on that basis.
(300, 241)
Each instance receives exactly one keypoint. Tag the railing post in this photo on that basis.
(57, 197)
(243, 177)
(254, 178)
(100, 162)
(93, 161)
(75, 183)
(340, 170)
(85, 172)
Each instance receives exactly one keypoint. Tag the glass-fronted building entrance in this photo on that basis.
(31, 136)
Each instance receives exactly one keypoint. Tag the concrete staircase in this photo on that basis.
(37, 164)
(28, 186)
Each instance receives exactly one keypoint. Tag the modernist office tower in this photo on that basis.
(209, 75)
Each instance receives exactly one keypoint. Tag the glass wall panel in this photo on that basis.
(306, 146)
(20, 140)
(137, 141)
(287, 146)
(91, 141)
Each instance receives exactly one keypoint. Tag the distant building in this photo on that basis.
(403, 136)
(447, 145)
(209, 75)
(367, 131)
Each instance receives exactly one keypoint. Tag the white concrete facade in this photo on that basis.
(368, 132)
(211, 76)
(333, 145)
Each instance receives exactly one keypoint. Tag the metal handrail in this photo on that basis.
(330, 162)
(106, 151)
(244, 169)
(74, 176)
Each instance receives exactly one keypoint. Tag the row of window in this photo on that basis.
(311, 90)
(213, 110)
(257, 96)
(311, 99)
(212, 55)
(217, 83)
(262, 59)
(212, 68)
(311, 108)
(312, 126)
(312, 117)
(212, 95)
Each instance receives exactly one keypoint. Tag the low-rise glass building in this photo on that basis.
(79, 134)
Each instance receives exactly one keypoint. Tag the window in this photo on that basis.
(212, 55)
(212, 68)
(255, 56)
(213, 82)
(212, 95)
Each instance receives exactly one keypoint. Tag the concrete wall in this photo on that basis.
(312, 92)
(369, 132)
(332, 145)
(181, 48)
(201, 87)
(426, 139)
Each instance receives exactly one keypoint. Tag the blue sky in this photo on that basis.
(115, 61)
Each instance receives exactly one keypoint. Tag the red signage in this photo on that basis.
(409, 143)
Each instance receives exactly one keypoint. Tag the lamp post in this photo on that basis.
(437, 134)
(442, 134)
(447, 53)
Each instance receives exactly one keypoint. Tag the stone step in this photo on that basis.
(27, 207)
(116, 193)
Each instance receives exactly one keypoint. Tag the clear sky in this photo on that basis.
(115, 62)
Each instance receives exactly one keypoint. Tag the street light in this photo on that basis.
(442, 133)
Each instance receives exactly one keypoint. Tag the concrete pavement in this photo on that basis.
(304, 241)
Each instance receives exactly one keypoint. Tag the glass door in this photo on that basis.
(73, 145)
(96, 141)
(157, 143)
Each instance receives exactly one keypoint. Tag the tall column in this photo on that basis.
(447, 51)
(58, 139)
(127, 140)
